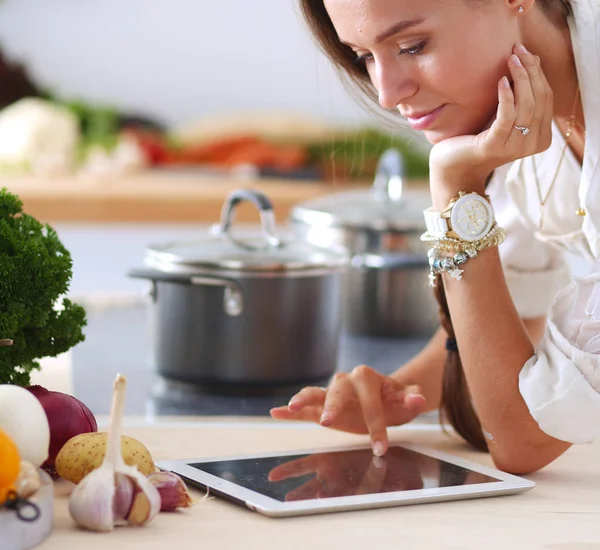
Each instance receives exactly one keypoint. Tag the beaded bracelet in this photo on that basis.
(448, 264)
(460, 252)
(495, 237)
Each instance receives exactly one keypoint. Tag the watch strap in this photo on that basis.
(437, 226)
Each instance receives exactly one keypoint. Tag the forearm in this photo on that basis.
(426, 370)
(494, 345)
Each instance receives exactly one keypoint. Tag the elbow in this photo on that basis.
(517, 467)
(527, 459)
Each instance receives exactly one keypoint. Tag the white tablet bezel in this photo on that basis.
(507, 484)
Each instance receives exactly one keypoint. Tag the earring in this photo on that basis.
(521, 9)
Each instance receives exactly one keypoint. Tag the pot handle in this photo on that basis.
(265, 208)
(392, 261)
(5, 342)
(233, 302)
(388, 182)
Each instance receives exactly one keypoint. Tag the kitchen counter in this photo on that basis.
(157, 197)
(561, 513)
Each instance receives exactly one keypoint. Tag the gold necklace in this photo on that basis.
(543, 200)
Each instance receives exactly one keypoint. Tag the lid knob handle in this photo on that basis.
(264, 206)
(389, 177)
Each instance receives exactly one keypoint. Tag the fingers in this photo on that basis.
(537, 84)
(307, 414)
(524, 101)
(502, 127)
(339, 394)
(529, 105)
(414, 400)
(368, 385)
(307, 397)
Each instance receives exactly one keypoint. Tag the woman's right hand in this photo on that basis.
(362, 401)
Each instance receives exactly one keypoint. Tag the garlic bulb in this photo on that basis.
(114, 493)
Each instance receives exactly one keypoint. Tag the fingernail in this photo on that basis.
(516, 61)
(504, 82)
(325, 419)
(521, 49)
(378, 448)
(294, 403)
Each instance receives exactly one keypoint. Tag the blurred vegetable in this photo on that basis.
(35, 271)
(23, 419)
(67, 417)
(15, 82)
(10, 464)
(355, 155)
(37, 135)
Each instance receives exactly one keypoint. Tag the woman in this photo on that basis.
(505, 91)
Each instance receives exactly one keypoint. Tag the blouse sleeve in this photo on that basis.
(534, 270)
(561, 382)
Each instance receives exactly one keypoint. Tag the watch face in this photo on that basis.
(472, 217)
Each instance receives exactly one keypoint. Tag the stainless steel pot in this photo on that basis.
(386, 288)
(252, 310)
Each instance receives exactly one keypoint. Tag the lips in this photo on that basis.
(424, 119)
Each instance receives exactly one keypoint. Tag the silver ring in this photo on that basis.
(523, 129)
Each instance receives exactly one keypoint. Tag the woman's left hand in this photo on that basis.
(464, 162)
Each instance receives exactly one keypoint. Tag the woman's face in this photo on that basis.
(442, 57)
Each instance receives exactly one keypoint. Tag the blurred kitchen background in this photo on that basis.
(125, 123)
(197, 69)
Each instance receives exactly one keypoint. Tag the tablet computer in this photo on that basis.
(340, 479)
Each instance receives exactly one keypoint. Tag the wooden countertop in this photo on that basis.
(159, 197)
(155, 197)
(562, 512)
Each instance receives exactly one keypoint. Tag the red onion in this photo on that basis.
(67, 417)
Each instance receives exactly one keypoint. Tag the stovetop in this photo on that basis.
(118, 340)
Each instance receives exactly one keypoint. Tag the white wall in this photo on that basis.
(178, 59)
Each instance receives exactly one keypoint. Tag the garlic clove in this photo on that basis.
(140, 509)
(146, 498)
(172, 489)
(124, 489)
(28, 482)
(91, 502)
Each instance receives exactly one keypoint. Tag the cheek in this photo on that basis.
(472, 91)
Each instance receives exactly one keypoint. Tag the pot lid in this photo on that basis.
(251, 251)
(387, 205)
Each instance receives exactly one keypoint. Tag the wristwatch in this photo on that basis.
(468, 217)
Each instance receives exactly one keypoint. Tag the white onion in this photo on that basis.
(24, 420)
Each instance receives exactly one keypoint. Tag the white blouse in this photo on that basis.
(560, 383)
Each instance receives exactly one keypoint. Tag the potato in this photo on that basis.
(85, 452)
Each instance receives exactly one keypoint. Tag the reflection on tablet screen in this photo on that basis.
(342, 473)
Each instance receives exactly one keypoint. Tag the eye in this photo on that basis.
(414, 50)
(362, 59)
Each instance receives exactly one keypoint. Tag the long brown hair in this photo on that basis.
(456, 406)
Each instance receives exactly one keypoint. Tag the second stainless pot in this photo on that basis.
(386, 288)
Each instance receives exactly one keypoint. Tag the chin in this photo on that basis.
(436, 136)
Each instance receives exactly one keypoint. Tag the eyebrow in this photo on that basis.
(393, 30)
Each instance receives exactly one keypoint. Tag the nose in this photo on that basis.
(394, 83)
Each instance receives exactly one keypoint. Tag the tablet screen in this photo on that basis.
(342, 473)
